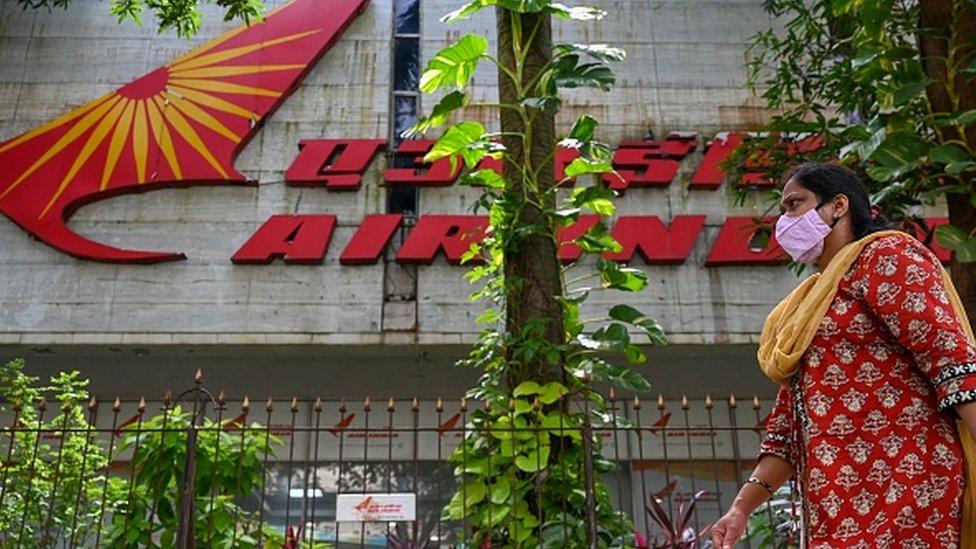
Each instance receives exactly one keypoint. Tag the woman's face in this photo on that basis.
(797, 200)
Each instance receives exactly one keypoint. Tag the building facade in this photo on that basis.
(366, 300)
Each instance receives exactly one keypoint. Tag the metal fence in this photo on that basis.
(66, 470)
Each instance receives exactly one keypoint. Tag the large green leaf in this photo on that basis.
(579, 13)
(466, 139)
(467, 10)
(439, 114)
(909, 91)
(468, 495)
(948, 154)
(454, 65)
(584, 128)
(601, 52)
(612, 275)
(568, 72)
(957, 240)
(630, 315)
(536, 460)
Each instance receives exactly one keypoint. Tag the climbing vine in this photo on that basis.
(528, 471)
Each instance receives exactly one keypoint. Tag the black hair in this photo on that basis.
(829, 180)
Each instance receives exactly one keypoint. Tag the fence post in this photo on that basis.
(185, 537)
(591, 528)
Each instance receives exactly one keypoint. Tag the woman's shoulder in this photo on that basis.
(892, 251)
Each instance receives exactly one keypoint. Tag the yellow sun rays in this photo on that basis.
(187, 104)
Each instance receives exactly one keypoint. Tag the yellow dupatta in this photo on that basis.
(790, 327)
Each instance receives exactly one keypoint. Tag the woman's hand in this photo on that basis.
(727, 531)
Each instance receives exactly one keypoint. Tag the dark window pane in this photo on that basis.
(401, 199)
(406, 64)
(408, 16)
(405, 116)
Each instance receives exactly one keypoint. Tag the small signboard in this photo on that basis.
(376, 507)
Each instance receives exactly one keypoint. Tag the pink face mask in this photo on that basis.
(802, 236)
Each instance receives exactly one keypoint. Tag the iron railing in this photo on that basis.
(328, 449)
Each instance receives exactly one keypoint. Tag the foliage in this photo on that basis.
(677, 532)
(773, 525)
(183, 16)
(228, 468)
(522, 471)
(864, 78)
(47, 486)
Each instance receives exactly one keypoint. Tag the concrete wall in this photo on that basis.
(683, 72)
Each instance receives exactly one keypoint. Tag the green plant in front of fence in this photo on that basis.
(52, 468)
(773, 526)
(528, 471)
(229, 467)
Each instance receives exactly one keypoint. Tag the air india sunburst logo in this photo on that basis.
(182, 124)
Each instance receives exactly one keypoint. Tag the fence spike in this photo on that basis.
(168, 398)
(511, 404)
(732, 403)
(294, 405)
(198, 377)
(318, 404)
(389, 405)
(637, 402)
(708, 402)
(613, 394)
(439, 407)
(755, 402)
(117, 405)
(221, 398)
(487, 404)
(684, 402)
(660, 402)
(366, 405)
(342, 406)
(536, 404)
(415, 405)
(464, 404)
(142, 404)
(246, 404)
(93, 404)
(269, 406)
(42, 404)
(18, 407)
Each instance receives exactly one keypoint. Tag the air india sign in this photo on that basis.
(184, 123)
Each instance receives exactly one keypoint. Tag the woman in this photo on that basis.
(876, 362)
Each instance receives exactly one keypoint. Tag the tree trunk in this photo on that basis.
(948, 30)
(532, 271)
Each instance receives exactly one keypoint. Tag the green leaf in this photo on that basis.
(548, 103)
(959, 167)
(616, 277)
(971, 69)
(630, 315)
(627, 378)
(560, 425)
(613, 337)
(569, 73)
(461, 139)
(582, 13)
(908, 92)
(948, 154)
(601, 52)
(526, 388)
(581, 166)
(440, 113)
(500, 490)
(484, 178)
(584, 128)
(454, 65)
(957, 240)
(551, 392)
(536, 460)
(467, 10)
(467, 496)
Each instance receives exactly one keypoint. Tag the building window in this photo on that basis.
(404, 95)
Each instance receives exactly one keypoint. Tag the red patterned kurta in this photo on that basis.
(868, 421)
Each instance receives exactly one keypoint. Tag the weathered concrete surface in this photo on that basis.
(683, 73)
